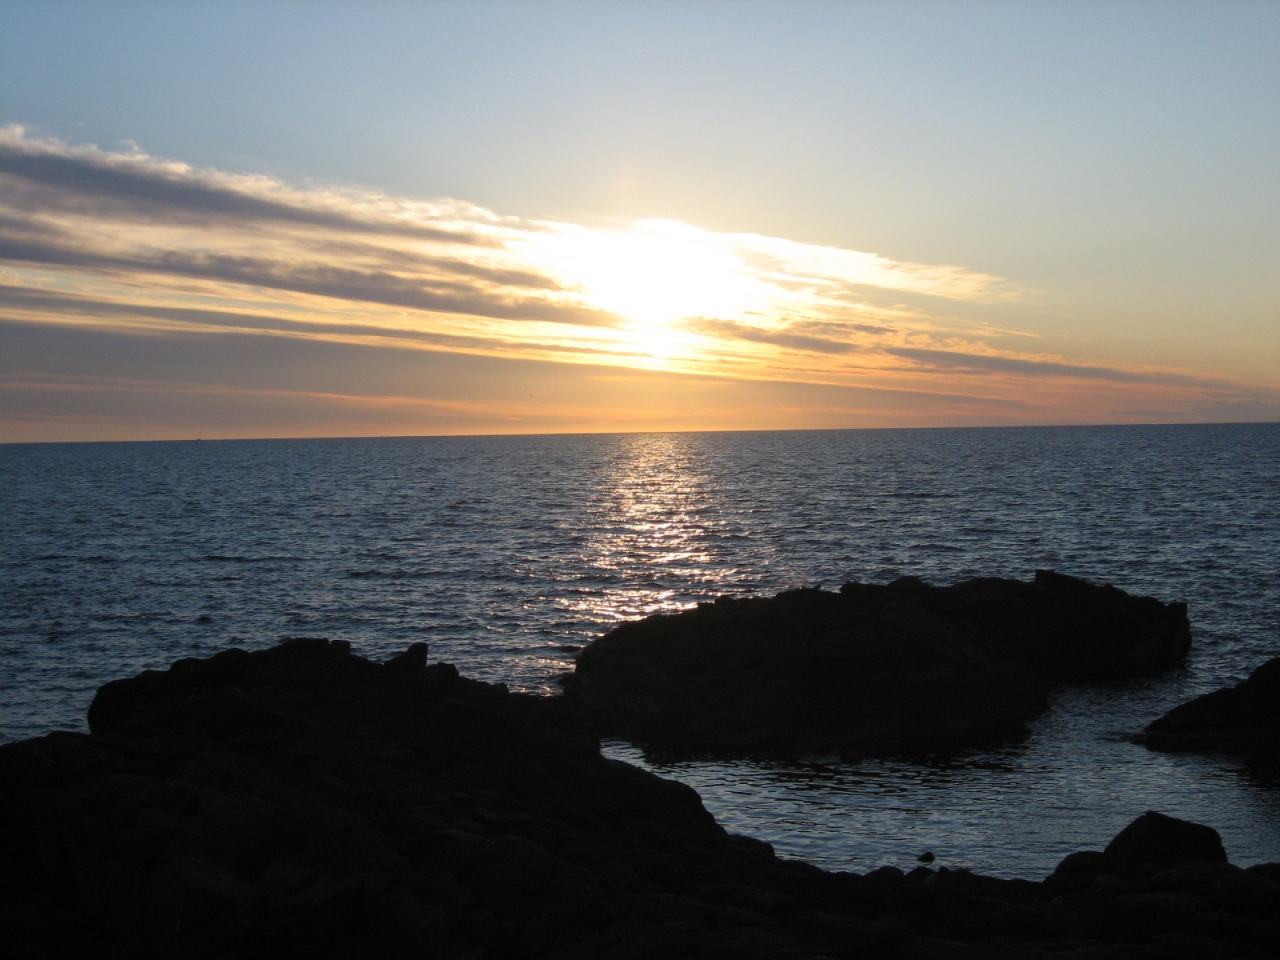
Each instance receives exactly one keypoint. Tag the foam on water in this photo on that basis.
(500, 551)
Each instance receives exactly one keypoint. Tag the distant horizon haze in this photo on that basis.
(642, 433)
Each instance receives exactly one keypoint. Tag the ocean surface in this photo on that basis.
(506, 553)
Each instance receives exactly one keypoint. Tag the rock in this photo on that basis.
(1141, 917)
(1155, 842)
(303, 801)
(873, 670)
(1244, 719)
(1166, 853)
(415, 658)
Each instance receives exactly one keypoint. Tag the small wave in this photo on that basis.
(401, 574)
(223, 558)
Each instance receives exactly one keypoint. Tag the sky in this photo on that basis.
(336, 219)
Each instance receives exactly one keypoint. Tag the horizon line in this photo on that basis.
(621, 433)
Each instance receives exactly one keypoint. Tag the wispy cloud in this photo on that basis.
(127, 213)
(129, 242)
(48, 176)
(786, 337)
(949, 360)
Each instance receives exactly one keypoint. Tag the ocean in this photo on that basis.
(506, 554)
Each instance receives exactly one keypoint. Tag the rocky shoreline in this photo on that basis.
(896, 670)
(1243, 720)
(304, 801)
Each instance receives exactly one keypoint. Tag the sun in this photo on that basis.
(659, 272)
(655, 274)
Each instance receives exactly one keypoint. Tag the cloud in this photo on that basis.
(81, 206)
(841, 275)
(86, 309)
(76, 383)
(86, 209)
(779, 338)
(135, 245)
(957, 360)
(320, 279)
(51, 176)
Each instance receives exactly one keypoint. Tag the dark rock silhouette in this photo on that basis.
(1152, 885)
(1244, 720)
(305, 802)
(1157, 842)
(873, 670)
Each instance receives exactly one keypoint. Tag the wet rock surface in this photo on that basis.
(872, 670)
(1242, 720)
(305, 802)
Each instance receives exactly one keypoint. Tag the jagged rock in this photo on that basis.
(306, 802)
(1244, 719)
(878, 670)
(415, 658)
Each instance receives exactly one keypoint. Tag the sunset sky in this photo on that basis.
(340, 219)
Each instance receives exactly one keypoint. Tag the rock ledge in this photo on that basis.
(1242, 720)
(872, 670)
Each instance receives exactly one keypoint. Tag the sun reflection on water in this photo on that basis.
(652, 530)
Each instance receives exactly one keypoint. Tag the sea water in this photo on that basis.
(507, 553)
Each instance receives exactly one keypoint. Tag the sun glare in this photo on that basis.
(655, 274)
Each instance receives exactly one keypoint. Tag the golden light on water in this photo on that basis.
(653, 526)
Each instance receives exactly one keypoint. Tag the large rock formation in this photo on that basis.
(873, 670)
(305, 802)
(1242, 720)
